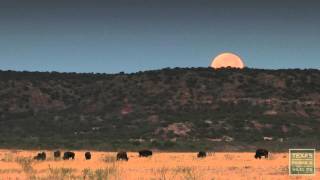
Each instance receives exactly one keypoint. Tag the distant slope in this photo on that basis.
(170, 109)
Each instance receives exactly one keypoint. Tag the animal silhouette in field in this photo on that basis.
(40, 156)
(261, 152)
(68, 155)
(201, 154)
(87, 155)
(122, 156)
(56, 154)
(145, 153)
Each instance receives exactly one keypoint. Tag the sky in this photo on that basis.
(138, 35)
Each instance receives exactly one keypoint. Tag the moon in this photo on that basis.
(227, 60)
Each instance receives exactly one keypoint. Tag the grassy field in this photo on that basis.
(16, 164)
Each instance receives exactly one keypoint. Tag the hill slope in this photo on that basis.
(171, 109)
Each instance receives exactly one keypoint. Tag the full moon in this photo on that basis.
(227, 60)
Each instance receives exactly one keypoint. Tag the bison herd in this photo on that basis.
(122, 155)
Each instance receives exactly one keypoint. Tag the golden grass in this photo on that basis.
(161, 166)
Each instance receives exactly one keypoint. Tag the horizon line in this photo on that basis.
(166, 68)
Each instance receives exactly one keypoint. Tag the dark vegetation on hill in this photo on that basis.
(178, 109)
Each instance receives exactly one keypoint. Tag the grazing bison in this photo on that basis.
(122, 156)
(56, 154)
(260, 153)
(201, 154)
(87, 155)
(41, 156)
(145, 153)
(68, 155)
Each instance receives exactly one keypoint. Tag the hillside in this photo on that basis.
(169, 109)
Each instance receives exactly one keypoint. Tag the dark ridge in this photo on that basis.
(173, 109)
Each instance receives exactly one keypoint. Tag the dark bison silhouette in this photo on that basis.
(201, 154)
(56, 154)
(122, 156)
(260, 153)
(87, 155)
(40, 156)
(145, 153)
(68, 155)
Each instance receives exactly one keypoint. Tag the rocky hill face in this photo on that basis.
(171, 109)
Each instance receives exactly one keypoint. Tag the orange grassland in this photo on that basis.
(18, 164)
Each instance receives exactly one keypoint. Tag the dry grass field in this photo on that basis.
(161, 166)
